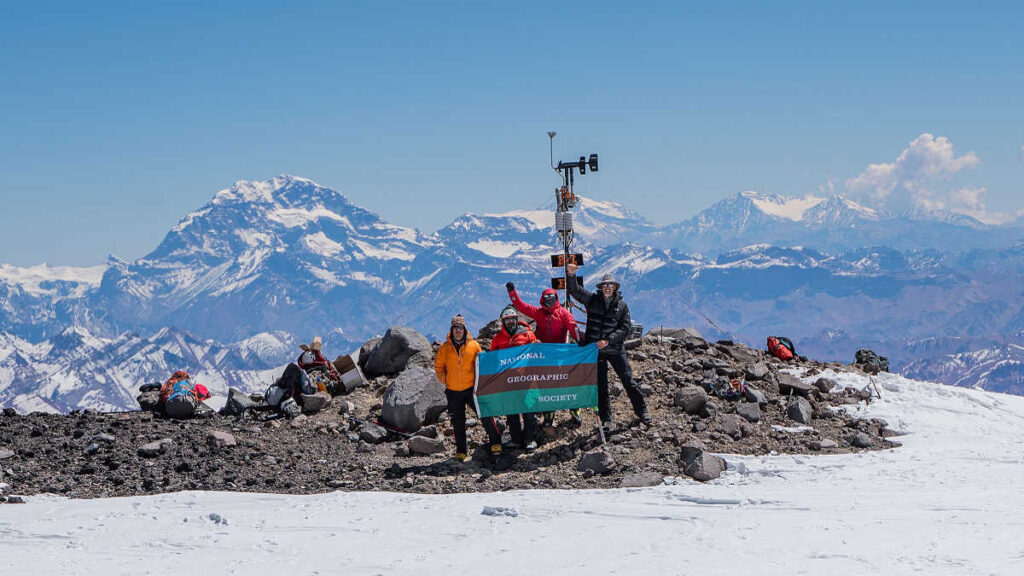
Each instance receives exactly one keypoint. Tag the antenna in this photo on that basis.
(551, 148)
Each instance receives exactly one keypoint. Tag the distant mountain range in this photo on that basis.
(233, 288)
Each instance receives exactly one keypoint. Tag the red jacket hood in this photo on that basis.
(545, 293)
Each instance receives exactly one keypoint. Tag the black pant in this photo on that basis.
(522, 431)
(457, 402)
(619, 362)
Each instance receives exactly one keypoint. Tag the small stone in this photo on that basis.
(799, 410)
(825, 385)
(427, 431)
(751, 411)
(598, 460)
(15, 500)
(732, 425)
(703, 467)
(104, 438)
(220, 439)
(92, 449)
(363, 447)
(425, 445)
(372, 433)
(5, 453)
(154, 448)
(861, 440)
(691, 399)
(757, 371)
(347, 408)
(237, 403)
(401, 449)
(789, 383)
(646, 389)
(753, 394)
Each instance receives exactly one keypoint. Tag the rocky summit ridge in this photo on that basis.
(789, 407)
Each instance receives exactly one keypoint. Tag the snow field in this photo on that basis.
(948, 502)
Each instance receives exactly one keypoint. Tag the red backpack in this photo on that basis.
(781, 347)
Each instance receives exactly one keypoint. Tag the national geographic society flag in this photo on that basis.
(536, 378)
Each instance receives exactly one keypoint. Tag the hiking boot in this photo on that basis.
(460, 456)
(577, 418)
(495, 449)
(531, 446)
(645, 419)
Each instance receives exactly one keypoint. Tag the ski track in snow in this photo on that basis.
(947, 502)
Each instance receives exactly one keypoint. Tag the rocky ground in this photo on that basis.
(89, 454)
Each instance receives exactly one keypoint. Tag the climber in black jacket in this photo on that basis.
(608, 325)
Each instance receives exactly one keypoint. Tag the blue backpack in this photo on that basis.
(182, 401)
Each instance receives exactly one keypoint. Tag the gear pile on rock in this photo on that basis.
(392, 433)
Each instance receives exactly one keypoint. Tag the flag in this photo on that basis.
(536, 378)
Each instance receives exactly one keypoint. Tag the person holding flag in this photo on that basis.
(555, 325)
(455, 366)
(608, 325)
(517, 333)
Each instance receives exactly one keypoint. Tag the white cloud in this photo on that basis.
(919, 180)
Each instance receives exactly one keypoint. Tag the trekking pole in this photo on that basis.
(872, 380)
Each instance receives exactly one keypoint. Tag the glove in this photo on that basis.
(510, 286)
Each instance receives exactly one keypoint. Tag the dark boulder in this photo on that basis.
(756, 371)
(700, 465)
(238, 402)
(800, 410)
(871, 362)
(413, 399)
(825, 385)
(691, 399)
(750, 411)
(149, 401)
(425, 445)
(391, 355)
(599, 461)
(365, 351)
(789, 383)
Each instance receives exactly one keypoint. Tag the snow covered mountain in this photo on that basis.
(76, 370)
(998, 366)
(827, 224)
(296, 259)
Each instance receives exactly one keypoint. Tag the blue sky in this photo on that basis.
(117, 119)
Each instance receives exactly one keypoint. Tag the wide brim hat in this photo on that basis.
(608, 279)
(315, 345)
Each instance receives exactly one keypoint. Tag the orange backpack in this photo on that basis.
(781, 347)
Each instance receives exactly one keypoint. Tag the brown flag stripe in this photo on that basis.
(579, 375)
